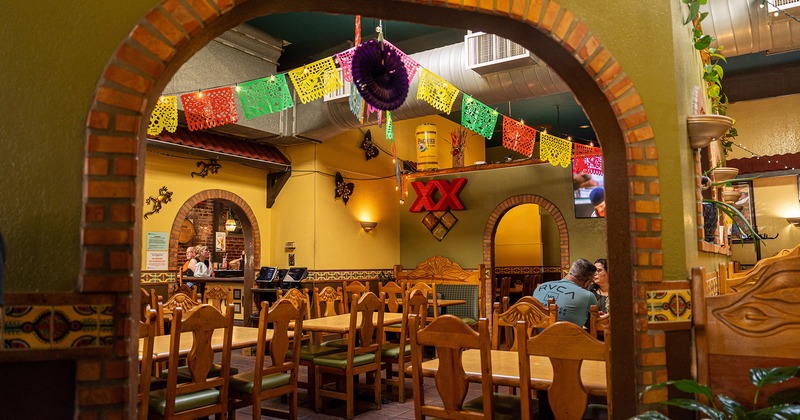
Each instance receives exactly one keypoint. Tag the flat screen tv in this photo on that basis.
(589, 195)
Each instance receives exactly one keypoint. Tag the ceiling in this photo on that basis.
(310, 36)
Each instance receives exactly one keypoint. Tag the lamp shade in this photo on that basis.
(230, 225)
(368, 226)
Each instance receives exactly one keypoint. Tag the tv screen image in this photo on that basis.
(589, 195)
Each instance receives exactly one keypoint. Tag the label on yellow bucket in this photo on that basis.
(426, 147)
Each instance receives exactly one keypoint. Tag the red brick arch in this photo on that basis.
(170, 33)
(517, 200)
(248, 219)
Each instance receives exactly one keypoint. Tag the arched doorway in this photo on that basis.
(172, 32)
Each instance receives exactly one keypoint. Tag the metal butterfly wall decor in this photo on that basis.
(343, 190)
(370, 148)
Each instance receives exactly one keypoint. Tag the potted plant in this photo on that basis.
(781, 405)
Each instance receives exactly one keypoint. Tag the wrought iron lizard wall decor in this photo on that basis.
(164, 197)
(211, 166)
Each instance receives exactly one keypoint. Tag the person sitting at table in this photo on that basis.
(237, 264)
(599, 286)
(573, 300)
(203, 266)
(191, 261)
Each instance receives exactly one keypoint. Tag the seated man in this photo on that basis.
(572, 299)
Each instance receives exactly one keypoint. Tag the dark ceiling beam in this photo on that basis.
(768, 82)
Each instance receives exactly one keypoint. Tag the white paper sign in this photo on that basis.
(157, 241)
(157, 260)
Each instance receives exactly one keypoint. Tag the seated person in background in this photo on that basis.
(237, 263)
(599, 286)
(573, 300)
(598, 199)
(203, 266)
(191, 261)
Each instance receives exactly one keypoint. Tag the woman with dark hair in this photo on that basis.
(599, 286)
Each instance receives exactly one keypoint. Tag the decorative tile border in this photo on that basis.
(669, 306)
(38, 327)
(158, 276)
(322, 275)
(528, 269)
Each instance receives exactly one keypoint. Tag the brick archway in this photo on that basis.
(247, 217)
(517, 200)
(170, 33)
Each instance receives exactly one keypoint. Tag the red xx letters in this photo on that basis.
(449, 195)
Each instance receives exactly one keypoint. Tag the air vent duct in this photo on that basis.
(487, 53)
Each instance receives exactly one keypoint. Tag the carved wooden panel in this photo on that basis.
(439, 268)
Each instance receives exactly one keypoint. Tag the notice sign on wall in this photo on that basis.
(157, 260)
(157, 241)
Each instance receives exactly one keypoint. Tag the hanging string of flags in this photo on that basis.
(214, 107)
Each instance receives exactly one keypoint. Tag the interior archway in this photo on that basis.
(171, 33)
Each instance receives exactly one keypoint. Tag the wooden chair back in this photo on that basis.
(394, 295)
(532, 312)
(451, 336)
(147, 332)
(278, 317)
(505, 289)
(148, 301)
(218, 297)
(186, 290)
(328, 301)
(299, 298)
(567, 346)
(430, 292)
(529, 283)
(201, 321)
(179, 300)
(368, 337)
(348, 288)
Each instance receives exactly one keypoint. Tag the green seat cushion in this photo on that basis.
(505, 406)
(339, 360)
(158, 383)
(394, 327)
(184, 375)
(158, 400)
(469, 321)
(340, 343)
(243, 382)
(393, 350)
(311, 351)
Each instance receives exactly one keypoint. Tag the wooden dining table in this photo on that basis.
(341, 323)
(505, 370)
(243, 337)
(447, 302)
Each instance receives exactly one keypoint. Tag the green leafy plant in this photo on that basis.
(782, 405)
(712, 69)
(738, 219)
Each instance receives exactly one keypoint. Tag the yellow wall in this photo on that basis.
(767, 126)
(518, 239)
(173, 170)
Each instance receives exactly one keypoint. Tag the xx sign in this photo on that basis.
(449, 195)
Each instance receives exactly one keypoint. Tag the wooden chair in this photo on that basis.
(529, 283)
(186, 290)
(450, 335)
(567, 345)
(280, 377)
(167, 309)
(218, 297)
(363, 354)
(147, 331)
(527, 309)
(400, 353)
(329, 302)
(394, 297)
(203, 395)
(430, 291)
(308, 349)
(353, 287)
(505, 290)
(147, 302)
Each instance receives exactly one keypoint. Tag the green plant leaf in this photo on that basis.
(694, 405)
(703, 16)
(694, 7)
(733, 409)
(703, 42)
(761, 377)
(650, 415)
(719, 56)
(713, 91)
(718, 69)
(779, 412)
(787, 396)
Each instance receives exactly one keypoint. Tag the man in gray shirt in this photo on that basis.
(572, 299)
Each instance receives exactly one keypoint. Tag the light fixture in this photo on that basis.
(368, 226)
(794, 220)
(230, 225)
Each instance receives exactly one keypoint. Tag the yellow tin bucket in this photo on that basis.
(426, 147)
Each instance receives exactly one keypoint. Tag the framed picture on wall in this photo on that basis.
(237, 294)
(237, 308)
(745, 203)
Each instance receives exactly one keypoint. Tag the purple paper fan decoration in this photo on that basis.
(380, 75)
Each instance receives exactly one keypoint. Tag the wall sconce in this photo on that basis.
(793, 220)
(368, 226)
(230, 225)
